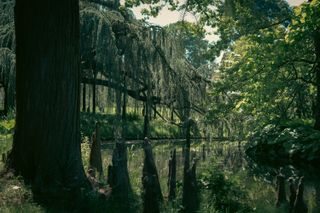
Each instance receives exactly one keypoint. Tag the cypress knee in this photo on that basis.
(190, 198)
(118, 175)
(299, 204)
(293, 194)
(95, 161)
(152, 194)
(172, 175)
(281, 191)
(110, 179)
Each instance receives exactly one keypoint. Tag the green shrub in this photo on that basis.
(224, 195)
(287, 142)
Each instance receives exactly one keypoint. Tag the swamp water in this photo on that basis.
(257, 181)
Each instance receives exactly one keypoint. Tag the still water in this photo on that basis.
(257, 180)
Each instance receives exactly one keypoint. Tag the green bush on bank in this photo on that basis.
(287, 142)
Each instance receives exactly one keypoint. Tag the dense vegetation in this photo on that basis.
(104, 112)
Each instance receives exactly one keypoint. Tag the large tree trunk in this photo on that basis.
(46, 145)
(317, 70)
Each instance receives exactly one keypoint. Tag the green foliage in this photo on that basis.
(286, 142)
(7, 127)
(155, 6)
(305, 23)
(6, 25)
(192, 38)
(267, 73)
(5, 146)
(224, 195)
(132, 127)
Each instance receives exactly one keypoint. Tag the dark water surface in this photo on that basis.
(257, 180)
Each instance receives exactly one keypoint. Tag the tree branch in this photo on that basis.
(115, 85)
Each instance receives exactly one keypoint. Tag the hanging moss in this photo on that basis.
(114, 45)
(7, 39)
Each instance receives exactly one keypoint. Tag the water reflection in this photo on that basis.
(235, 160)
(258, 180)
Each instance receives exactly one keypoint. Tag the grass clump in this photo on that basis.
(15, 196)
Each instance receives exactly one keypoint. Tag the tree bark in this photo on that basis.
(154, 111)
(94, 95)
(172, 175)
(46, 144)
(317, 70)
(299, 204)
(118, 176)
(95, 161)
(146, 122)
(190, 200)
(281, 190)
(135, 94)
(84, 93)
(89, 98)
(124, 104)
(152, 194)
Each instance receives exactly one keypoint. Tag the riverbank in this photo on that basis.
(132, 127)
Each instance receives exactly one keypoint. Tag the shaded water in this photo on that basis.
(257, 180)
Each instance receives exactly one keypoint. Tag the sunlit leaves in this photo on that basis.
(306, 22)
(258, 68)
